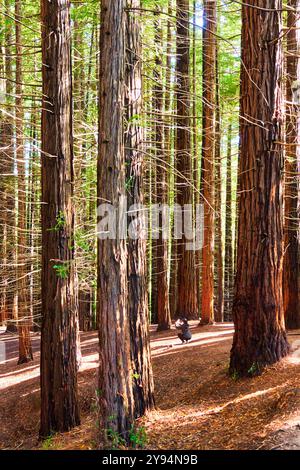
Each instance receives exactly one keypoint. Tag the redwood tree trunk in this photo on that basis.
(196, 166)
(59, 401)
(24, 322)
(229, 253)
(258, 315)
(168, 135)
(291, 267)
(208, 155)
(161, 265)
(8, 235)
(115, 371)
(137, 304)
(219, 263)
(187, 304)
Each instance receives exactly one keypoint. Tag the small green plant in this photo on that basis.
(129, 183)
(48, 443)
(94, 406)
(254, 369)
(62, 270)
(134, 119)
(138, 437)
(93, 444)
(235, 375)
(115, 439)
(60, 222)
(81, 241)
(136, 376)
(111, 418)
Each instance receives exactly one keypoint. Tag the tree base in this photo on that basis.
(11, 328)
(293, 324)
(163, 327)
(206, 322)
(25, 359)
(254, 362)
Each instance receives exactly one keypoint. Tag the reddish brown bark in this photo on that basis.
(59, 349)
(162, 307)
(24, 320)
(219, 262)
(85, 310)
(196, 168)
(229, 254)
(208, 155)
(291, 267)
(137, 305)
(187, 304)
(168, 134)
(115, 371)
(8, 234)
(258, 315)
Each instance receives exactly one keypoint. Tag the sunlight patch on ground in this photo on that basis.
(174, 345)
(16, 379)
(89, 362)
(16, 372)
(189, 414)
(30, 393)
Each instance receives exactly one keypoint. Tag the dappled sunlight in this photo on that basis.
(172, 344)
(17, 372)
(89, 362)
(36, 390)
(293, 360)
(12, 374)
(198, 402)
(173, 349)
(7, 382)
(190, 413)
(86, 343)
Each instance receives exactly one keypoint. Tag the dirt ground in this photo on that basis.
(199, 406)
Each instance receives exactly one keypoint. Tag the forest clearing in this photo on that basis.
(149, 226)
(199, 407)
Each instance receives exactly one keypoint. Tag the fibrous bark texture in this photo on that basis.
(258, 315)
(59, 342)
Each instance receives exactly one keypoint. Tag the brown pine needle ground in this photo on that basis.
(198, 405)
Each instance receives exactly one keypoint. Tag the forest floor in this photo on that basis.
(199, 406)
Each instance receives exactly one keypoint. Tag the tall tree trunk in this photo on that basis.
(2, 191)
(115, 372)
(8, 240)
(196, 172)
(25, 348)
(219, 311)
(143, 386)
(168, 135)
(33, 218)
(187, 304)
(229, 253)
(291, 267)
(3, 184)
(161, 265)
(59, 348)
(208, 154)
(258, 314)
(157, 146)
